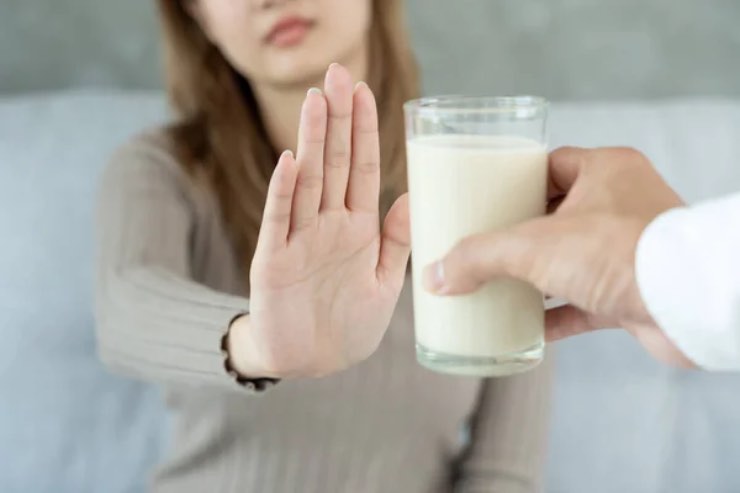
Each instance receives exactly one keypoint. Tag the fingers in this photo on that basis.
(310, 158)
(567, 321)
(565, 165)
(277, 214)
(338, 148)
(395, 245)
(568, 163)
(364, 178)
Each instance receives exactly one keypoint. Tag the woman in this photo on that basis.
(221, 272)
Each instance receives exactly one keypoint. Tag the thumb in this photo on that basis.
(479, 259)
(395, 245)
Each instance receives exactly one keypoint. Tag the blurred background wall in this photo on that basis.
(563, 49)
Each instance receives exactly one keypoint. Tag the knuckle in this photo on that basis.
(339, 115)
(631, 153)
(281, 194)
(310, 181)
(277, 217)
(455, 261)
(301, 223)
(370, 129)
(459, 266)
(468, 247)
(314, 139)
(579, 156)
(338, 156)
(335, 163)
(367, 167)
(567, 149)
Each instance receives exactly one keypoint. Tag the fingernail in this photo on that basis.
(287, 153)
(361, 84)
(434, 278)
(314, 90)
(333, 65)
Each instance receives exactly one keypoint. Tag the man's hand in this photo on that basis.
(583, 252)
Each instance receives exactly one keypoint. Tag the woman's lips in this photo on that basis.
(289, 32)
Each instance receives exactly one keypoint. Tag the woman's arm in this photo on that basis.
(508, 435)
(153, 321)
(325, 278)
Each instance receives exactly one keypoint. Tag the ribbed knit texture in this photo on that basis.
(169, 283)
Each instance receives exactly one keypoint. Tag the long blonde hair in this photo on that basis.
(220, 135)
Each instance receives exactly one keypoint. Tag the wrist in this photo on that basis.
(637, 310)
(243, 350)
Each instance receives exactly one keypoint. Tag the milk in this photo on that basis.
(461, 185)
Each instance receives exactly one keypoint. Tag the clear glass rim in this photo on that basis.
(476, 104)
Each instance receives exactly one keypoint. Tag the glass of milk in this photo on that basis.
(475, 164)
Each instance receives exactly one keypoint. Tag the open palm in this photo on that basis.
(324, 280)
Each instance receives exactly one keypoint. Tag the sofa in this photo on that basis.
(620, 422)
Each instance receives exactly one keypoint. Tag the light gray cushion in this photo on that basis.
(66, 426)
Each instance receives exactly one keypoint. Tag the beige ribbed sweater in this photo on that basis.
(168, 286)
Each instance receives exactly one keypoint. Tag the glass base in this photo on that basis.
(481, 366)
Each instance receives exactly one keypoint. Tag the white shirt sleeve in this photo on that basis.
(688, 272)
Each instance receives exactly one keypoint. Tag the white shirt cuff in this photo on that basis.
(688, 273)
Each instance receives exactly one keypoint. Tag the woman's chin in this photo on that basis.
(298, 70)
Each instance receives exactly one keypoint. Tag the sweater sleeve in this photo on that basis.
(508, 441)
(153, 321)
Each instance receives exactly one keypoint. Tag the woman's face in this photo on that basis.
(285, 42)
